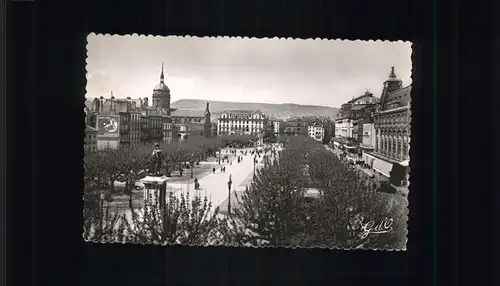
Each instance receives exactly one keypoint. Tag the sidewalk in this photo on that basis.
(215, 186)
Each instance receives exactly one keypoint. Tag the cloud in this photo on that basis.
(300, 71)
(99, 81)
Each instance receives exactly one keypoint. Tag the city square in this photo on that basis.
(214, 172)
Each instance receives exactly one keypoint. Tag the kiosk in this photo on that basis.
(155, 187)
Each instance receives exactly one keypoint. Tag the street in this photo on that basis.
(215, 186)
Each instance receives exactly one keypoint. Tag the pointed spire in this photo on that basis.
(161, 75)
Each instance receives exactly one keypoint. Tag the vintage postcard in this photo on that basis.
(247, 142)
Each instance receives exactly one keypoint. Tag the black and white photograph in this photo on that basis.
(247, 142)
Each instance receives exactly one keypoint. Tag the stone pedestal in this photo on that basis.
(154, 187)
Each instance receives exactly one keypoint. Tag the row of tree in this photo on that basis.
(104, 167)
(277, 209)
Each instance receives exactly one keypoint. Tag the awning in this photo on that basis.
(405, 163)
(367, 158)
(349, 147)
(382, 167)
(366, 146)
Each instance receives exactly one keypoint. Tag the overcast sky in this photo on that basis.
(312, 72)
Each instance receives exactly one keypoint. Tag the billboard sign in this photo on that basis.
(108, 126)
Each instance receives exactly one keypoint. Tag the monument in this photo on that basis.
(156, 161)
(155, 184)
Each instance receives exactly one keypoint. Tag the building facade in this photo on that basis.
(392, 125)
(350, 126)
(392, 122)
(316, 132)
(145, 129)
(135, 127)
(296, 127)
(241, 122)
(344, 128)
(142, 123)
(368, 140)
(90, 143)
(276, 128)
(191, 122)
(124, 129)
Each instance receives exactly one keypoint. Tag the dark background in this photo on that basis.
(46, 57)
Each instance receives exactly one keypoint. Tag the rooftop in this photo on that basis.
(401, 95)
(358, 107)
(367, 94)
(241, 111)
(90, 129)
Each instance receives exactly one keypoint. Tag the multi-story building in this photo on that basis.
(145, 136)
(344, 128)
(241, 122)
(168, 132)
(135, 127)
(124, 129)
(392, 127)
(90, 143)
(129, 111)
(296, 127)
(329, 129)
(368, 141)
(276, 127)
(317, 132)
(155, 126)
(353, 115)
(192, 122)
(140, 122)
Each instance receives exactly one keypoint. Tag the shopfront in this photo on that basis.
(368, 159)
(382, 166)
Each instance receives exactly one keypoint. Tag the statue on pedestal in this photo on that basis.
(156, 160)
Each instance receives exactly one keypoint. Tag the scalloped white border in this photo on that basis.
(129, 240)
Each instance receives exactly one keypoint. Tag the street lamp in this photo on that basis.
(219, 155)
(229, 183)
(192, 165)
(254, 162)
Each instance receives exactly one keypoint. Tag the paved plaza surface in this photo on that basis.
(215, 186)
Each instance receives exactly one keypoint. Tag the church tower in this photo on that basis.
(161, 94)
(208, 122)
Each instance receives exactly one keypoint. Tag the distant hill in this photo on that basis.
(279, 111)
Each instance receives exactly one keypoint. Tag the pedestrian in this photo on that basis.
(213, 170)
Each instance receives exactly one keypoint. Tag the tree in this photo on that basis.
(179, 220)
(100, 225)
(348, 203)
(101, 170)
(270, 211)
(275, 210)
